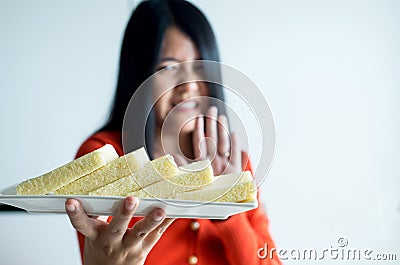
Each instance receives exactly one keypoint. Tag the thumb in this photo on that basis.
(180, 160)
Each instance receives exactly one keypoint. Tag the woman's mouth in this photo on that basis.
(187, 105)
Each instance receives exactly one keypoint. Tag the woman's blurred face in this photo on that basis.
(182, 102)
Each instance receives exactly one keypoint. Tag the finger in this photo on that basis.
(236, 156)
(152, 238)
(223, 135)
(119, 224)
(199, 144)
(211, 131)
(142, 228)
(79, 220)
(179, 160)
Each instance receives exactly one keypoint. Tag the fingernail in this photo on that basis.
(71, 207)
(130, 204)
(157, 216)
(213, 110)
(224, 119)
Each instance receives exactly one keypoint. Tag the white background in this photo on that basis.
(330, 73)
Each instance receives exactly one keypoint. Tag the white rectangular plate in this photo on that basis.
(107, 205)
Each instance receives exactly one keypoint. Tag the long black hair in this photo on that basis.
(141, 48)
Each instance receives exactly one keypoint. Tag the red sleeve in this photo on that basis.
(244, 234)
(100, 139)
(246, 165)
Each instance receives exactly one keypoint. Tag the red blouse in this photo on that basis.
(235, 241)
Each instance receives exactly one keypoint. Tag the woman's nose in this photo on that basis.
(187, 87)
(188, 78)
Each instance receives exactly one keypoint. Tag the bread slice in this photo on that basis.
(156, 170)
(116, 169)
(68, 173)
(190, 177)
(239, 187)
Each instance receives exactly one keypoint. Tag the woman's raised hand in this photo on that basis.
(114, 242)
(216, 143)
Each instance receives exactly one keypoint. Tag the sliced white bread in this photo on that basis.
(68, 173)
(191, 176)
(237, 187)
(116, 169)
(156, 170)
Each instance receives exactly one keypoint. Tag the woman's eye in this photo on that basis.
(170, 67)
(199, 68)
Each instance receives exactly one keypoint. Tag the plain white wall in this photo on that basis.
(329, 70)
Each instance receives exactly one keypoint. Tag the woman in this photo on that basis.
(159, 35)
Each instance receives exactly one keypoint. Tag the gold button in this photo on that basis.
(193, 260)
(194, 225)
